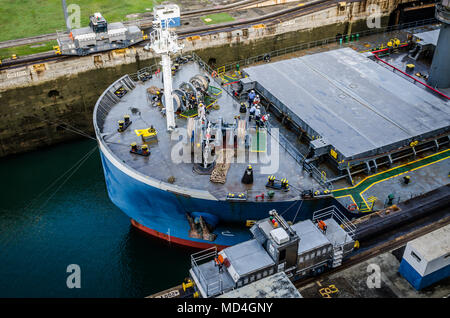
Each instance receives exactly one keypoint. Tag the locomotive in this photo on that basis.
(302, 249)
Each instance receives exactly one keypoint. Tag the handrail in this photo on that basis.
(320, 42)
(348, 226)
(415, 79)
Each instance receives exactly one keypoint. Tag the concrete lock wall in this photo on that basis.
(35, 99)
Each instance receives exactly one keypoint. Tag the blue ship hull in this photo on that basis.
(162, 213)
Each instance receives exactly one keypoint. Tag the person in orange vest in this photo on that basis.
(219, 262)
(321, 224)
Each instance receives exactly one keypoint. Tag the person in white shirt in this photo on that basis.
(251, 112)
(257, 115)
(257, 100)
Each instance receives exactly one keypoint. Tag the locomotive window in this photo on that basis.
(282, 255)
(246, 280)
(414, 255)
(307, 257)
(324, 251)
(264, 273)
(318, 253)
(313, 254)
(301, 260)
(239, 283)
(258, 276)
(252, 278)
(271, 271)
(329, 248)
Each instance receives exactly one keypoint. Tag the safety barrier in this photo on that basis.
(308, 45)
(338, 216)
(203, 257)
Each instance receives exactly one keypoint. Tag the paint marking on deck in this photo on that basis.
(355, 192)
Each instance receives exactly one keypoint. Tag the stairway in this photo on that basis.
(338, 254)
(415, 53)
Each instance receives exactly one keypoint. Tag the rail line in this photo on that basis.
(146, 21)
(277, 16)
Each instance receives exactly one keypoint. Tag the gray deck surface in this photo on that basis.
(159, 164)
(352, 102)
(429, 37)
(248, 257)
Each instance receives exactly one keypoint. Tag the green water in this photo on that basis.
(46, 226)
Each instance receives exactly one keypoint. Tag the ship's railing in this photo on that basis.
(291, 49)
(410, 78)
(148, 69)
(215, 287)
(325, 41)
(299, 157)
(108, 99)
(333, 212)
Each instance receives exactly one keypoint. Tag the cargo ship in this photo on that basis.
(195, 157)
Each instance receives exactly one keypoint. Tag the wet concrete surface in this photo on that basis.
(359, 282)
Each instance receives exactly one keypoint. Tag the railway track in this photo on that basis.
(144, 22)
(274, 17)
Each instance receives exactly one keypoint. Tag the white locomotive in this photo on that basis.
(99, 36)
(306, 248)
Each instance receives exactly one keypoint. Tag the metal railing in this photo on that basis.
(333, 212)
(203, 257)
(325, 41)
(299, 157)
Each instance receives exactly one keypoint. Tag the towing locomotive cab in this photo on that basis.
(302, 249)
(98, 36)
(98, 23)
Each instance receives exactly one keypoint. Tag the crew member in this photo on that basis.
(256, 100)
(201, 112)
(257, 116)
(264, 118)
(251, 112)
(251, 97)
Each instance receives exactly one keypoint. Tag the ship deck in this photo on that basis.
(426, 173)
(356, 106)
(160, 165)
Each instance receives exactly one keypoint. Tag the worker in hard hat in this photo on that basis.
(264, 118)
(243, 108)
(201, 111)
(251, 97)
(258, 116)
(251, 112)
(256, 100)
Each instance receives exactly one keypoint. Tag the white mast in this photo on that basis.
(163, 42)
